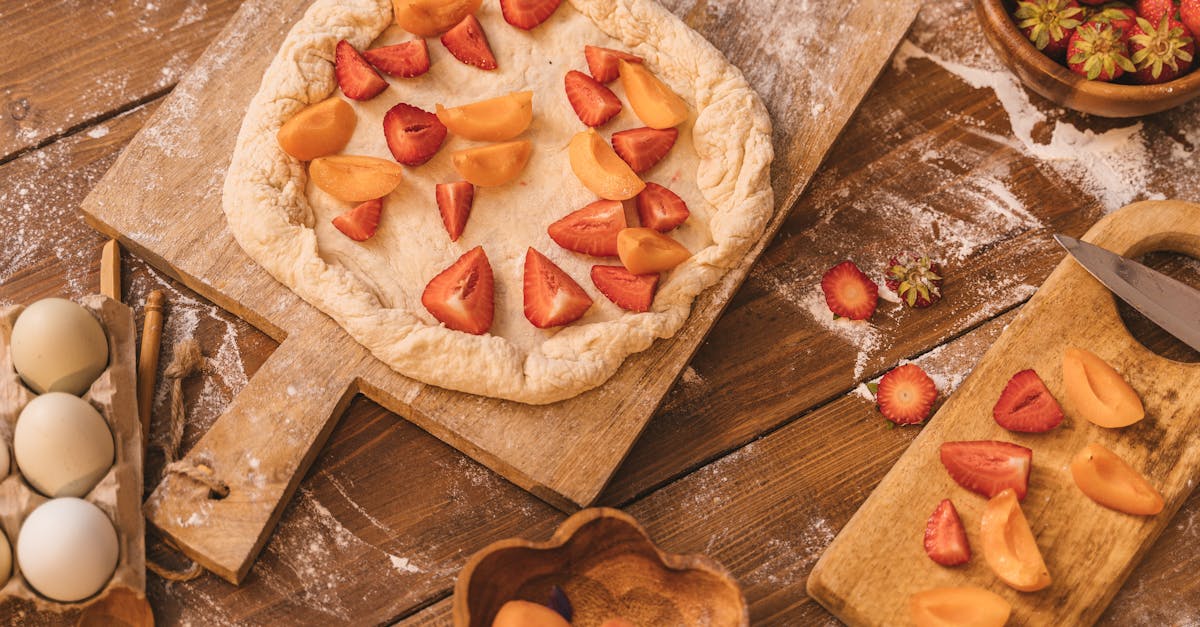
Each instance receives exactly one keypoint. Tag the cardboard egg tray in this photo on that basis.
(118, 494)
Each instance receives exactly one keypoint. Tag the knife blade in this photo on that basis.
(1170, 304)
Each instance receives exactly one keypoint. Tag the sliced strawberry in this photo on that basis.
(361, 222)
(643, 148)
(552, 297)
(848, 292)
(454, 202)
(356, 77)
(660, 208)
(526, 14)
(468, 43)
(988, 467)
(592, 230)
(1026, 405)
(594, 103)
(632, 292)
(405, 60)
(945, 538)
(413, 135)
(906, 395)
(461, 296)
(602, 62)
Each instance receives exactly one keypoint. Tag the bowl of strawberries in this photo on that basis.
(1112, 59)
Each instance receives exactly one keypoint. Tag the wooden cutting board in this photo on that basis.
(162, 200)
(877, 561)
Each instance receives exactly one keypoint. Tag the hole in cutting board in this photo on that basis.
(1154, 338)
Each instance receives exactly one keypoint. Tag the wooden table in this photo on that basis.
(761, 452)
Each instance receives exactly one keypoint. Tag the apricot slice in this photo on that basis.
(353, 178)
(318, 130)
(600, 169)
(430, 18)
(967, 606)
(653, 102)
(1098, 392)
(1111, 482)
(646, 251)
(494, 120)
(491, 166)
(527, 614)
(1009, 546)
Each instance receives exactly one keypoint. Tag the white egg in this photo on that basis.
(58, 346)
(3, 460)
(62, 445)
(67, 549)
(5, 559)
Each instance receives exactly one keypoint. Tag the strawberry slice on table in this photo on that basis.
(632, 292)
(592, 230)
(660, 208)
(413, 135)
(594, 103)
(526, 14)
(461, 296)
(988, 467)
(454, 202)
(905, 395)
(1026, 405)
(849, 292)
(945, 538)
(361, 222)
(468, 43)
(552, 297)
(643, 148)
(356, 77)
(405, 60)
(602, 62)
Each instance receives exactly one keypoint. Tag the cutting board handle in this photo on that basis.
(1148, 226)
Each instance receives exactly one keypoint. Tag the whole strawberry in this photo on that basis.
(1098, 52)
(1189, 14)
(1049, 24)
(917, 280)
(1161, 53)
(1116, 14)
(1154, 10)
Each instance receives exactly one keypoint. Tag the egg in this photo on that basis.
(67, 549)
(62, 445)
(5, 559)
(58, 346)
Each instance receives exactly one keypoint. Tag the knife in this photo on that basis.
(1172, 305)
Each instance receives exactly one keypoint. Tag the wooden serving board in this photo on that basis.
(162, 200)
(877, 561)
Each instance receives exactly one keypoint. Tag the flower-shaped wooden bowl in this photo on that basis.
(608, 567)
(1057, 83)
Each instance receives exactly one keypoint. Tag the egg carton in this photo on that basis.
(118, 494)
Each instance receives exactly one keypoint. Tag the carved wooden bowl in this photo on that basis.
(608, 567)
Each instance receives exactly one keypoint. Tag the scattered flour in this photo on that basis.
(98, 131)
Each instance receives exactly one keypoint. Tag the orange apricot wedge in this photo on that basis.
(1009, 546)
(318, 130)
(430, 18)
(1098, 392)
(355, 178)
(492, 166)
(653, 102)
(600, 169)
(646, 251)
(494, 120)
(1111, 482)
(527, 614)
(967, 606)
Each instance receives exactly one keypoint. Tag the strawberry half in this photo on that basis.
(454, 202)
(848, 292)
(526, 14)
(643, 148)
(468, 43)
(631, 292)
(594, 103)
(602, 62)
(1026, 405)
(405, 60)
(945, 538)
(461, 296)
(356, 77)
(660, 208)
(361, 222)
(552, 297)
(906, 395)
(592, 230)
(988, 467)
(413, 135)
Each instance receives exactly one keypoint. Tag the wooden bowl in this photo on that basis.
(608, 567)
(1057, 83)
